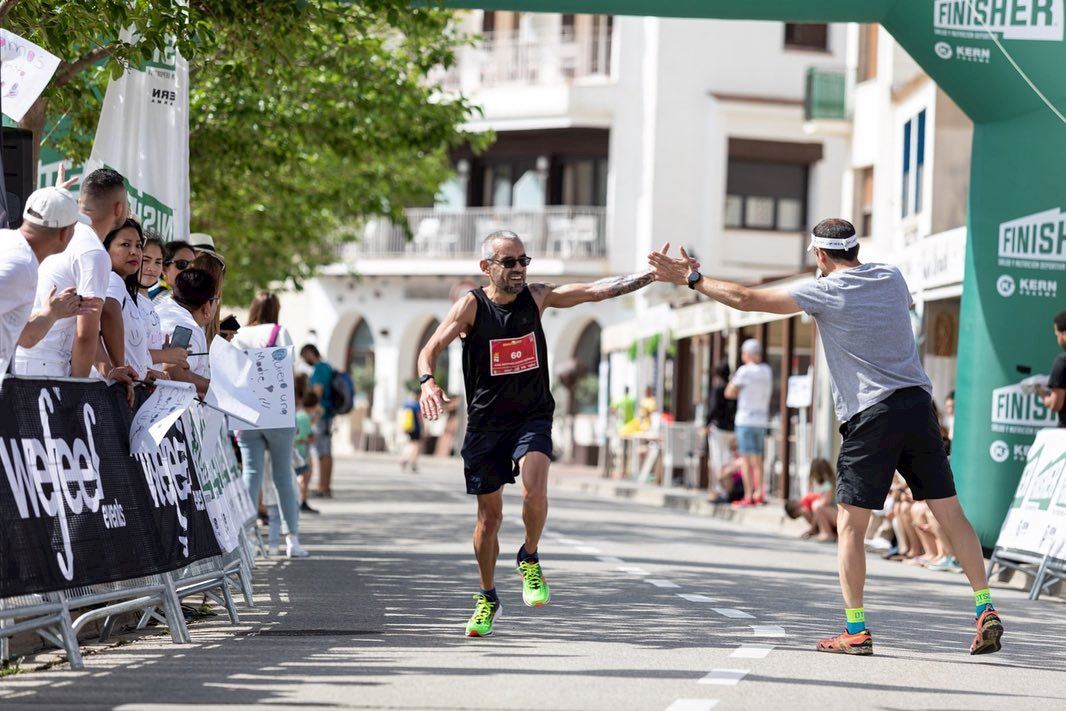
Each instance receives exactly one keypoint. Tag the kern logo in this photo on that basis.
(999, 451)
(943, 50)
(963, 53)
(1018, 410)
(1005, 286)
(152, 214)
(1011, 19)
(1036, 241)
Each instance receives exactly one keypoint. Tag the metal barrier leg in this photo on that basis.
(179, 631)
(5, 643)
(69, 637)
(231, 608)
(1038, 579)
(107, 628)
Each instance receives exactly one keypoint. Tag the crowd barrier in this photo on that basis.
(91, 532)
(1033, 537)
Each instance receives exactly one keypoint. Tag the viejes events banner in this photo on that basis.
(75, 507)
(143, 133)
(1036, 520)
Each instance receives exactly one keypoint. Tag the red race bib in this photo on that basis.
(513, 355)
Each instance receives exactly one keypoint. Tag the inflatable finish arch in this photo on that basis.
(1016, 246)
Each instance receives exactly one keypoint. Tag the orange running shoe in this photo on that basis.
(989, 632)
(860, 644)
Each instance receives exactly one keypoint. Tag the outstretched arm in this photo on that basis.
(460, 320)
(563, 297)
(742, 298)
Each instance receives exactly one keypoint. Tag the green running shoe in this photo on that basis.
(535, 591)
(485, 613)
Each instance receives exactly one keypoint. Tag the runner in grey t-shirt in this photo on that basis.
(882, 396)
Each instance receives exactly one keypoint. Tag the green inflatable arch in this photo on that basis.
(1016, 246)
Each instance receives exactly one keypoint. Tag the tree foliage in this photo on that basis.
(305, 115)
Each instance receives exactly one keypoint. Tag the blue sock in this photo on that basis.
(524, 557)
(856, 619)
(490, 594)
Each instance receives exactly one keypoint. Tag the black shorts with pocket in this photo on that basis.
(490, 458)
(900, 433)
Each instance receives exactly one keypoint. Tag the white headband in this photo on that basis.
(827, 243)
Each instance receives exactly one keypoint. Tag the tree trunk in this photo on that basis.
(34, 121)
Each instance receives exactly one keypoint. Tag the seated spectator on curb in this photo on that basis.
(817, 507)
(730, 479)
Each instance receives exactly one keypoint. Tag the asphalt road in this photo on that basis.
(650, 609)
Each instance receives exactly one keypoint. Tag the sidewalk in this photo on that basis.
(590, 480)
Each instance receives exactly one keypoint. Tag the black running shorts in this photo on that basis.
(490, 459)
(900, 433)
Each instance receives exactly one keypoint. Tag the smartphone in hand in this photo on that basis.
(181, 338)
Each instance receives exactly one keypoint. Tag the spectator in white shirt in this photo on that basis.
(71, 348)
(192, 306)
(751, 387)
(151, 268)
(123, 245)
(47, 227)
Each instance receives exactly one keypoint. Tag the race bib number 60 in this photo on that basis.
(513, 355)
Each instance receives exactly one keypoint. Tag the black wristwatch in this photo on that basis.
(694, 279)
(425, 378)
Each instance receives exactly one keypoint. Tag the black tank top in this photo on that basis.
(505, 365)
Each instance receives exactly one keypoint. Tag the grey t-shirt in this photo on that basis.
(863, 316)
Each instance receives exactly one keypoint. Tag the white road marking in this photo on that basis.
(695, 598)
(752, 651)
(734, 614)
(588, 549)
(724, 677)
(570, 542)
(768, 631)
(633, 571)
(692, 705)
(609, 559)
(662, 583)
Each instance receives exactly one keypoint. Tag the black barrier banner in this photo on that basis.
(75, 507)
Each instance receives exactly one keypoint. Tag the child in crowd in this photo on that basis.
(411, 424)
(306, 416)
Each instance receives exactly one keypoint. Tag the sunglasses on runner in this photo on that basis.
(511, 262)
(181, 264)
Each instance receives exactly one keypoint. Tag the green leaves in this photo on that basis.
(306, 116)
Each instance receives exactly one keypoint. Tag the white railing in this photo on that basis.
(559, 231)
(509, 58)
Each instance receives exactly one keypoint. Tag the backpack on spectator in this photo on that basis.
(342, 393)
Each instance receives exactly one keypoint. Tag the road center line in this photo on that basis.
(609, 559)
(588, 549)
(633, 571)
(695, 598)
(724, 677)
(662, 583)
(752, 651)
(734, 614)
(570, 542)
(692, 705)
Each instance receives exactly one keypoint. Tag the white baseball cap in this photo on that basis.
(751, 347)
(827, 243)
(52, 208)
(202, 241)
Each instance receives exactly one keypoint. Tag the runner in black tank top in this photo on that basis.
(509, 403)
(505, 362)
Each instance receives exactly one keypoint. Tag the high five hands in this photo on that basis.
(671, 269)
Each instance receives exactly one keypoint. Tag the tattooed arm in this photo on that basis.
(563, 297)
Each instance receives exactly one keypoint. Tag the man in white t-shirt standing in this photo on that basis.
(70, 348)
(751, 387)
(47, 227)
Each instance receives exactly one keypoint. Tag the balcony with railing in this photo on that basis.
(556, 232)
(825, 97)
(510, 58)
